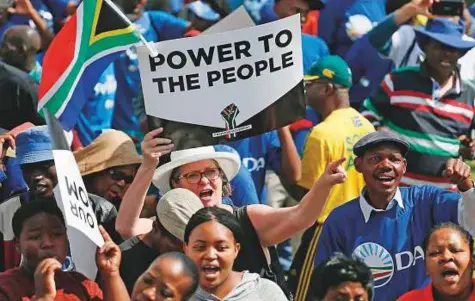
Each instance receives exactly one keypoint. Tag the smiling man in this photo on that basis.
(385, 226)
(430, 105)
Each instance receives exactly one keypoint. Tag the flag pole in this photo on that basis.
(150, 45)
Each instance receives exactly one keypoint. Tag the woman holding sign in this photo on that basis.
(207, 173)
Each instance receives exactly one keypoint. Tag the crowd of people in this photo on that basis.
(369, 197)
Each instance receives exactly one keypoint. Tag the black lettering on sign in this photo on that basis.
(283, 38)
(225, 53)
(213, 76)
(242, 48)
(201, 55)
(181, 58)
(287, 59)
(156, 61)
(159, 82)
(84, 197)
(79, 194)
(266, 39)
(71, 188)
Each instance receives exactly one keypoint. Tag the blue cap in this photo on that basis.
(375, 138)
(203, 10)
(444, 31)
(34, 145)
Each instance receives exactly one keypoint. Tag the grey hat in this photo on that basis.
(378, 137)
(175, 209)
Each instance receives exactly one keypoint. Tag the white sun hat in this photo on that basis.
(228, 162)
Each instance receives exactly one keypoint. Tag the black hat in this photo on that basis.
(378, 137)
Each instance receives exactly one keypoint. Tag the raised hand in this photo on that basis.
(21, 7)
(458, 172)
(153, 147)
(335, 173)
(108, 256)
(45, 287)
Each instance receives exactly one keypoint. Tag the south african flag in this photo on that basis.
(91, 39)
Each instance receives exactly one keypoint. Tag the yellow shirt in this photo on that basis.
(328, 141)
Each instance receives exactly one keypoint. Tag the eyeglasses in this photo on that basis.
(195, 176)
(118, 176)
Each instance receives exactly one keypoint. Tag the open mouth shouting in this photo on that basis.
(206, 195)
(450, 275)
(387, 179)
(210, 272)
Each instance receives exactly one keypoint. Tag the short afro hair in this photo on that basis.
(32, 208)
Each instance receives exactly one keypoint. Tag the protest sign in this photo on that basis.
(74, 201)
(225, 86)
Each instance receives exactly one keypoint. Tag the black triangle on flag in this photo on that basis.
(108, 20)
(56, 132)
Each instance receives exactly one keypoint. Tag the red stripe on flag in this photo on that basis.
(59, 56)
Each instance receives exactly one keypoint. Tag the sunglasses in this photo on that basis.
(118, 176)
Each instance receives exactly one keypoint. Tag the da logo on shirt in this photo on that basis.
(378, 260)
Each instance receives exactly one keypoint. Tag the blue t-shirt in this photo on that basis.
(257, 154)
(96, 114)
(368, 69)
(243, 190)
(154, 26)
(390, 242)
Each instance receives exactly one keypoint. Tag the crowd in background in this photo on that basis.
(369, 197)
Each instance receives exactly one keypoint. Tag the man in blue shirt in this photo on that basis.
(386, 225)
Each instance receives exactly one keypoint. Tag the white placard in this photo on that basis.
(194, 80)
(72, 198)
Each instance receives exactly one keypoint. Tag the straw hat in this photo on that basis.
(112, 148)
(228, 162)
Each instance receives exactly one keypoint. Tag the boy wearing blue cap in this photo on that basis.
(386, 225)
(430, 105)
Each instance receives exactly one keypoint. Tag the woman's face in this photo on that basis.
(449, 262)
(213, 249)
(210, 191)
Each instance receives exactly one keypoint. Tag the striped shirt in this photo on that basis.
(408, 103)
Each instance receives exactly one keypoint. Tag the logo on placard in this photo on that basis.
(378, 259)
(229, 115)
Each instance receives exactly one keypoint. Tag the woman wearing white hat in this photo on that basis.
(207, 173)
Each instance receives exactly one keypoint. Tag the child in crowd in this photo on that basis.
(40, 236)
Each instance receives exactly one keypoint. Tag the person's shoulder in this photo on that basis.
(13, 202)
(346, 210)
(268, 289)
